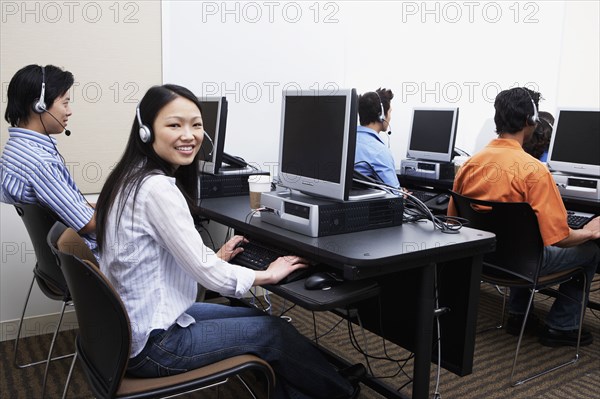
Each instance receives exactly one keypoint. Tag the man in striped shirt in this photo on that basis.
(32, 171)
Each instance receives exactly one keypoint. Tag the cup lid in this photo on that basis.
(261, 179)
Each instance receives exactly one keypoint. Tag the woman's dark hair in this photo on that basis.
(25, 88)
(514, 108)
(140, 161)
(539, 142)
(369, 105)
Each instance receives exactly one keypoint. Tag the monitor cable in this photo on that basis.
(446, 224)
(377, 178)
(461, 152)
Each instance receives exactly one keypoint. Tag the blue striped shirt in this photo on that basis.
(32, 172)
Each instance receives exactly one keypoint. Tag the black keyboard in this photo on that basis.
(578, 220)
(423, 195)
(258, 256)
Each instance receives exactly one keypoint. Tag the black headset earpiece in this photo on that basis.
(533, 118)
(145, 132)
(381, 113)
(39, 107)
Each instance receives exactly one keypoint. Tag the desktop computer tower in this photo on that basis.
(427, 169)
(226, 184)
(318, 217)
(578, 187)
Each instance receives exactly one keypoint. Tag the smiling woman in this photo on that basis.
(155, 258)
(179, 132)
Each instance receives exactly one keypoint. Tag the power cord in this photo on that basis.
(446, 224)
(437, 313)
(401, 363)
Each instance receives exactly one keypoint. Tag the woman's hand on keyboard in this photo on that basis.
(279, 269)
(231, 248)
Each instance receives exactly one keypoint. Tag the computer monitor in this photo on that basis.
(575, 142)
(432, 134)
(318, 140)
(214, 117)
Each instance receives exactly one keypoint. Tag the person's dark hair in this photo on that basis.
(513, 108)
(539, 142)
(140, 160)
(25, 87)
(369, 106)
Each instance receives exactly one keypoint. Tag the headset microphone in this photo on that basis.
(67, 131)
(39, 107)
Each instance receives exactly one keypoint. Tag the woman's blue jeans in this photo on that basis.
(223, 331)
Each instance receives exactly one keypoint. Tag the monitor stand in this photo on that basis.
(361, 194)
(230, 170)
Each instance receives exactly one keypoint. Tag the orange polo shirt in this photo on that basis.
(504, 172)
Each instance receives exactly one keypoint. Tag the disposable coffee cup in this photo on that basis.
(258, 184)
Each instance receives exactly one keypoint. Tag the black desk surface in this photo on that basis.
(402, 261)
(361, 254)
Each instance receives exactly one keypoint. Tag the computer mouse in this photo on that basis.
(442, 199)
(322, 281)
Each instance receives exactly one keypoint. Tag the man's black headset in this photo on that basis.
(39, 106)
(146, 134)
(381, 114)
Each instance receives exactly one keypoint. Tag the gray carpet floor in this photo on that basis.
(493, 358)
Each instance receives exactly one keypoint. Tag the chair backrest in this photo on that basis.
(38, 221)
(104, 336)
(71, 243)
(519, 245)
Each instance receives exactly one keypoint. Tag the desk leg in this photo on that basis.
(424, 332)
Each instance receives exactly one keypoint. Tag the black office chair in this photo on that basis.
(38, 220)
(104, 337)
(518, 257)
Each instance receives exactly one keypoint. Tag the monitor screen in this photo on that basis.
(575, 142)
(214, 118)
(318, 139)
(432, 134)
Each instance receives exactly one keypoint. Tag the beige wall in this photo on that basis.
(114, 50)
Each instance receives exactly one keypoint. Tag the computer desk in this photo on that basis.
(403, 260)
(443, 186)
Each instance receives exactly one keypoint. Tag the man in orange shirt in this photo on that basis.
(503, 171)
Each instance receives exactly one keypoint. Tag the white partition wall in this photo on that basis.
(429, 53)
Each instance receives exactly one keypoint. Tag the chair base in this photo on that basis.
(51, 349)
(574, 360)
(524, 380)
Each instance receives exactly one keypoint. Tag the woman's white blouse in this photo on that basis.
(154, 257)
